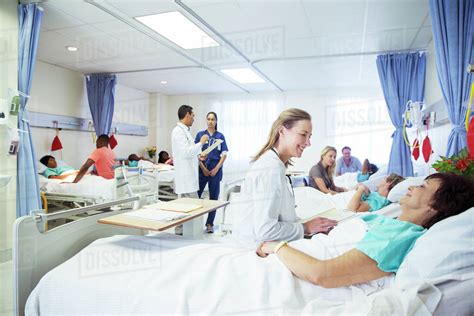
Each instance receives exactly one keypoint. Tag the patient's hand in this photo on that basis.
(319, 225)
(266, 248)
(364, 188)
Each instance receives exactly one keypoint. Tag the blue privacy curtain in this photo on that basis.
(29, 22)
(101, 96)
(402, 77)
(453, 30)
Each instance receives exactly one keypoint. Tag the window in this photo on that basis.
(364, 125)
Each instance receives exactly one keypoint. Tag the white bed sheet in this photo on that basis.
(90, 186)
(171, 275)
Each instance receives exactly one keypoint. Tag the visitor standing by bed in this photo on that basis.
(102, 157)
(347, 163)
(267, 201)
(210, 169)
(321, 174)
(185, 153)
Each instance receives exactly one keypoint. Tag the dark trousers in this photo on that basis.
(214, 190)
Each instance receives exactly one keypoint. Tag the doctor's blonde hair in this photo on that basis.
(287, 118)
(330, 169)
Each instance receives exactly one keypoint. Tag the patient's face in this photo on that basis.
(52, 163)
(420, 197)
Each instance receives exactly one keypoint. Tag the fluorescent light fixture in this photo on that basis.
(71, 48)
(178, 29)
(163, 82)
(243, 75)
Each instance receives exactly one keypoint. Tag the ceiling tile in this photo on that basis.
(82, 11)
(386, 15)
(57, 19)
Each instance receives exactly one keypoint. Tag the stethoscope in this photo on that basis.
(287, 176)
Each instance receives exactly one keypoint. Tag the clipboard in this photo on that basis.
(211, 147)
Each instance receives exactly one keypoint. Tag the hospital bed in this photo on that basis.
(94, 189)
(164, 177)
(127, 274)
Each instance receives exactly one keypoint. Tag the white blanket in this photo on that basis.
(89, 186)
(170, 275)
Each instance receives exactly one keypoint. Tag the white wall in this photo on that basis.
(8, 80)
(56, 90)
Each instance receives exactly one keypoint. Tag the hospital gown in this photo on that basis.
(388, 240)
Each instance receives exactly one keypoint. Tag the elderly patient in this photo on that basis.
(387, 241)
(365, 201)
(53, 171)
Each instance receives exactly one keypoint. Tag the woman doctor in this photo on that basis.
(210, 169)
(267, 207)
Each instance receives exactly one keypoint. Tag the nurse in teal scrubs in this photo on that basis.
(387, 241)
(365, 201)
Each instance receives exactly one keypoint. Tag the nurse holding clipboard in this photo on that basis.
(210, 169)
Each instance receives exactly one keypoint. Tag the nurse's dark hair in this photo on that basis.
(44, 160)
(454, 196)
(183, 110)
(215, 116)
(287, 118)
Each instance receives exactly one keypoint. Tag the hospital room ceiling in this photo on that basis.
(291, 44)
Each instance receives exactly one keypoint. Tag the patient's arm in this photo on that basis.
(64, 175)
(353, 267)
(83, 170)
(356, 204)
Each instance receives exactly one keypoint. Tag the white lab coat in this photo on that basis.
(266, 204)
(185, 159)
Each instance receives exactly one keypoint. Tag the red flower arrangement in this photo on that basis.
(462, 164)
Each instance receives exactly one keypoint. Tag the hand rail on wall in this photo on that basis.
(45, 120)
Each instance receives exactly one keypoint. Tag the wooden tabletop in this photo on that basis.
(135, 222)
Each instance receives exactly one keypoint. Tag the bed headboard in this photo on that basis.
(36, 253)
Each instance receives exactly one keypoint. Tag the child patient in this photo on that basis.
(365, 201)
(53, 171)
(368, 169)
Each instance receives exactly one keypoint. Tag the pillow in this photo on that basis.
(41, 168)
(398, 191)
(374, 181)
(443, 253)
(444, 258)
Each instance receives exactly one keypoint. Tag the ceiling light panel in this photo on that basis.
(177, 28)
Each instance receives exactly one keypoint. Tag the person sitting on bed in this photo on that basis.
(368, 169)
(53, 171)
(104, 159)
(321, 175)
(387, 241)
(365, 201)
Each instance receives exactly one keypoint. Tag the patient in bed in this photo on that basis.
(387, 241)
(365, 201)
(368, 169)
(53, 171)
(133, 160)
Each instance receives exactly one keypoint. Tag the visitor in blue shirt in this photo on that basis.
(387, 241)
(210, 169)
(365, 201)
(347, 163)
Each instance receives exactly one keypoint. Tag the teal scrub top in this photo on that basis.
(56, 171)
(388, 240)
(375, 201)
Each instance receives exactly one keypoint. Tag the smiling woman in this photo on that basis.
(387, 241)
(268, 205)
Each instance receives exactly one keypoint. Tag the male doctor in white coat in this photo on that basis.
(186, 154)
